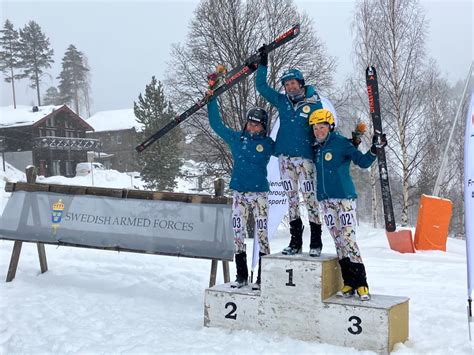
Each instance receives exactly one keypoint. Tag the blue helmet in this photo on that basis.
(292, 74)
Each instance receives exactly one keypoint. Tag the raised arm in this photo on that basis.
(357, 157)
(216, 123)
(270, 94)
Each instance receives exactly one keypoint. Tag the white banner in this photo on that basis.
(469, 194)
(166, 227)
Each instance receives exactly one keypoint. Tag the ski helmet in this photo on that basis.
(322, 115)
(258, 115)
(292, 74)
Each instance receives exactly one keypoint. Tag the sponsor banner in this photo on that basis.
(469, 194)
(167, 227)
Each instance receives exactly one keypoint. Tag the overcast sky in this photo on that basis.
(126, 42)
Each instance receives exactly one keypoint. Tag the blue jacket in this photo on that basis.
(295, 136)
(251, 154)
(332, 159)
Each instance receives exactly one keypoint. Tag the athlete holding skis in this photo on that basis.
(293, 147)
(251, 151)
(337, 195)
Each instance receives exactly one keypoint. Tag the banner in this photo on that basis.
(166, 227)
(469, 194)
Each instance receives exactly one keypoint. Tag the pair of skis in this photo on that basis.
(232, 78)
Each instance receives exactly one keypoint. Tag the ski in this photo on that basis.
(233, 77)
(374, 106)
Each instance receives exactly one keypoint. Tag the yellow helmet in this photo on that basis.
(322, 116)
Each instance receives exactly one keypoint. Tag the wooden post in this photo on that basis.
(31, 179)
(14, 261)
(218, 192)
(15, 258)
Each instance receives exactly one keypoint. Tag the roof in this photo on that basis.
(114, 120)
(24, 116)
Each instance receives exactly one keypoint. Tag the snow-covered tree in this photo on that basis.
(52, 97)
(10, 55)
(162, 161)
(73, 79)
(36, 54)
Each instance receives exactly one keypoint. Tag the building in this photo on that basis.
(53, 138)
(117, 131)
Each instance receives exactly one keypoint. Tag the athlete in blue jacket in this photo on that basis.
(336, 193)
(251, 151)
(293, 147)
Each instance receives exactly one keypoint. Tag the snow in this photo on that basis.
(23, 115)
(114, 120)
(93, 301)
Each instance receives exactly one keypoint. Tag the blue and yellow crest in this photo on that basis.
(57, 214)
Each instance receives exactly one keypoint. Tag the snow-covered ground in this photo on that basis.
(93, 301)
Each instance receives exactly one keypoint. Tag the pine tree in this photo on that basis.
(10, 55)
(35, 54)
(52, 97)
(161, 162)
(73, 79)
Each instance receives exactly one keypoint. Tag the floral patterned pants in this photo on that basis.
(340, 218)
(299, 174)
(242, 201)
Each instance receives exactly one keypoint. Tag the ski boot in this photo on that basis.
(242, 271)
(296, 241)
(316, 245)
(346, 292)
(363, 293)
(256, 285)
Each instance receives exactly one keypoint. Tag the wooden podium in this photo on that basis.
(297, 299)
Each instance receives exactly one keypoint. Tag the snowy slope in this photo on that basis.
(93, 301)
(10, 174)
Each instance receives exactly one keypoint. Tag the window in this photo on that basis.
(119, 139)
(50, 122)
(68, 124)
(69, 167)
(56, 167)
(69, 164)
(41, 133)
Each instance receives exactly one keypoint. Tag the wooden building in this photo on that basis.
(53, 138)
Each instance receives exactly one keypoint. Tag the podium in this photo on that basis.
(297, 299)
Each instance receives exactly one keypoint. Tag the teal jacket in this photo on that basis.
(251, 154)
(295, 136)
(332, 159)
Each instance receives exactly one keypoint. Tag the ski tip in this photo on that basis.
(370, 70)
(391, 228)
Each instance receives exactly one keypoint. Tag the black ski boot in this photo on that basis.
(242, 271)
(296, 241)
(316, 244)
(256, 285)
(360, 280)
(348, 289)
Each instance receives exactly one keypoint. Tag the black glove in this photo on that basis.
(355, 140)
(263, 55)
(378, 141)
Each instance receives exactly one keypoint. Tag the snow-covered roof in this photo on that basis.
(23, 115)
(114, 120)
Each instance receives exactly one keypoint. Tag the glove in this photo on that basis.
(378, 143)
(355, 139)
(263, 55)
